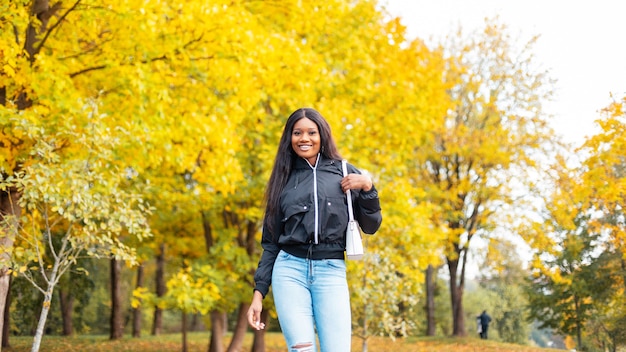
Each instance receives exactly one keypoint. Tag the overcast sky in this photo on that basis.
(581, 42)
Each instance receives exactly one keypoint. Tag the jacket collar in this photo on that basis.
(301, 163)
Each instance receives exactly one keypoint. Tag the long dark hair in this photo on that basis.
(286, 156)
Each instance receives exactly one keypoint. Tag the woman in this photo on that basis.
(304, 237)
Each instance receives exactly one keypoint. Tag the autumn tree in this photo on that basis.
(571, 275)
(485, 146)
(602, 185)
(604, 174)
(75, 205)
(39, 93)
(164, 96)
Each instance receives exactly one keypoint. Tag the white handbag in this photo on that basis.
(354, 243)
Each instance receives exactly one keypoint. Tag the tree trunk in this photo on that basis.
(67, 308)
(7, 317)
(195, 323)
(137, 311)
(579, 323)
(42, 10)
(258, 344)
(208, 232)
(10, 213)
(116, 302)
(430, 301)
(218, 329)
(236, 343)
(157, 323)
(613, 343)
(184, 332)
(218, 326)
(42, 321)
(45, 308)
(456, 298)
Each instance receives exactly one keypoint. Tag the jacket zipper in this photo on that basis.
(315, 198)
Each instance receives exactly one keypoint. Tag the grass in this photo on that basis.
(199, 342)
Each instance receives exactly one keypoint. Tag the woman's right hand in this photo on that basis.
(254, 312)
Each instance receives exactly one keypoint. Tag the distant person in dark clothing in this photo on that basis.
(485, 319)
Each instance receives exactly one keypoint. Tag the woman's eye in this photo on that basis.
(296, 133)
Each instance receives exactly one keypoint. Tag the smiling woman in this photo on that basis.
(304, 236)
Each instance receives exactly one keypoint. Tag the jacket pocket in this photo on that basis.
(295, 229)
(334, 217)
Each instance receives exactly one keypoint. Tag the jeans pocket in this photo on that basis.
(337, 264)
(282, 255)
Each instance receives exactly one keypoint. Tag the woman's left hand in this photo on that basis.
(356, 181)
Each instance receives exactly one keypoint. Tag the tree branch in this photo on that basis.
(54, 26)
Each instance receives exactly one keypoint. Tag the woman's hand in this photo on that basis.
(356, 181)
(254, 312)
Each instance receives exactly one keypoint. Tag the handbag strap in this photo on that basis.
(348, 195)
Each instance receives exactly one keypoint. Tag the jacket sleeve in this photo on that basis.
(367, 209)
(368, 212)
(263, 274)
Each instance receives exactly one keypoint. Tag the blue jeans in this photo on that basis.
(311, 294)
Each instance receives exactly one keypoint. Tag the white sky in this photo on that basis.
(581, 42)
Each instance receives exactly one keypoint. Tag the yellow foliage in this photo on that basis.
(569, 342)
(604, 180)
(194, 96)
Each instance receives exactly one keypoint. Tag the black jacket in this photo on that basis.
(294, 226)
(485, 319)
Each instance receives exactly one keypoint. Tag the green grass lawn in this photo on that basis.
(199, 342)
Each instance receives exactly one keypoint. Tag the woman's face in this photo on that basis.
(305, 140)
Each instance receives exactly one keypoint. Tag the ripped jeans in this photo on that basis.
(310, 294)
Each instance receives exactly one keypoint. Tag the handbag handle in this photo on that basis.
(345, 173)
